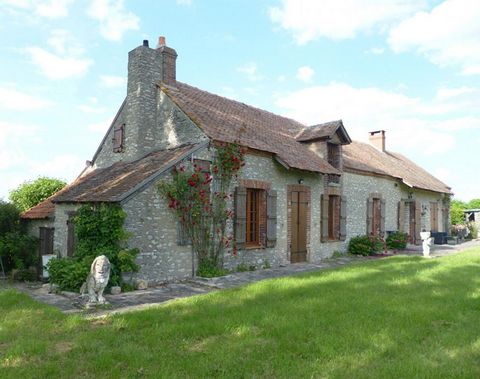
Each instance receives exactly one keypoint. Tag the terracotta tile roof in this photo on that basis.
(363, 157)
(115, 183)
(324, 131)
(40, 211)
(231, 121)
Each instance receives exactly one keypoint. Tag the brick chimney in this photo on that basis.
(147, 68)
(377, 139)
(169, 62)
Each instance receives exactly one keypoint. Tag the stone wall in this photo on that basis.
(152, 121)
(62, 212)
(357, 188)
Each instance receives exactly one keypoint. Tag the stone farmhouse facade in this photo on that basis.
(303, 193)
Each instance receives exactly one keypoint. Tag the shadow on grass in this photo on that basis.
(395, 317)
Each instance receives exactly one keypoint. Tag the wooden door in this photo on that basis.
(46, 241)
(298, 251)
(434, 217)
(412, 223)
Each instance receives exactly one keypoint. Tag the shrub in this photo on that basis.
(397, 241)
(365, 245)
(68, 273)
(99, 230)
(210, 270)
(473, 228)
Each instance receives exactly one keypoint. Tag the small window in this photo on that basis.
(118, 138)
(333, 152)
(253, 217)
(333, 217)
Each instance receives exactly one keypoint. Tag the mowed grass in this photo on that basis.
(400, 317)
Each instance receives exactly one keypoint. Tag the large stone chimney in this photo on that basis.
(377, 139)
(147, 68)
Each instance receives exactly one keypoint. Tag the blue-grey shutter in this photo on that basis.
(271, 218)
(343, 218)
(240, 217)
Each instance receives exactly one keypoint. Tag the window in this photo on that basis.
(376, 215)
(333, 226)
(333, 154)
(333, 217)
(118, 138)
(253, 217)
(255, 209)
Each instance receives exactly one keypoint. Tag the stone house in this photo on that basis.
(303, 193)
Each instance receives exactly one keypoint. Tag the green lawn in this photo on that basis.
(398, 317)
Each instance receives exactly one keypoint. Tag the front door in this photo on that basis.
(298, 251)
(434, 217)
(412, 223)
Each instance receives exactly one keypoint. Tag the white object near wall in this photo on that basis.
(426, 243)
(45, 259)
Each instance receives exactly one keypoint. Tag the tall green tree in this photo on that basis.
(31, 193)
(456, 212)
(473, 204)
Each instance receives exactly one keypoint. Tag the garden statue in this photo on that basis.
(97, 280)
(426, 243)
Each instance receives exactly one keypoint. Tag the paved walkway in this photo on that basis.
(68, 302)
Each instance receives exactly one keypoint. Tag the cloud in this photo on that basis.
(448, 35)
(56, 67)
(184, 2)
(308, 20)
(64, 166)
(370, 108)
(376, 50)
(114, 19)
(12, 99)
(110, 81)
(53, 9)
(12, 137)
(101, 126)
(305, 74)
(250, 69)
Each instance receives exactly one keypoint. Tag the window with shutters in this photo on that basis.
(253, 217)
(376, 215)
(255, 212)
(333, 217)
(118, 138)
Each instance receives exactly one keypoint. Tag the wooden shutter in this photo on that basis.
(418, 221)
(118, 137)
(343, 218)
(401, 216)
(271, 218)
(382, 217)
(182, 236)
(369, 216)
(240, 216)
(324, 218)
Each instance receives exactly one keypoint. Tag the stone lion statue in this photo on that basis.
(97, 280)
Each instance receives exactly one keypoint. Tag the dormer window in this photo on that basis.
(118, 138)
(333, 154)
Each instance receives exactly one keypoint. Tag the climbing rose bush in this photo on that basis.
(199, 199)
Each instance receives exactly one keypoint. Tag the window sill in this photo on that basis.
(254, 247)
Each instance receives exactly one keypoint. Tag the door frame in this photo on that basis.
(307, 191)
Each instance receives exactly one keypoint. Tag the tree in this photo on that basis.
(473, 204)
(456, 212)
(31, 193)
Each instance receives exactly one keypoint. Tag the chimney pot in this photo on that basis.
(145, 42)
(377, 139)
(161, 42)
